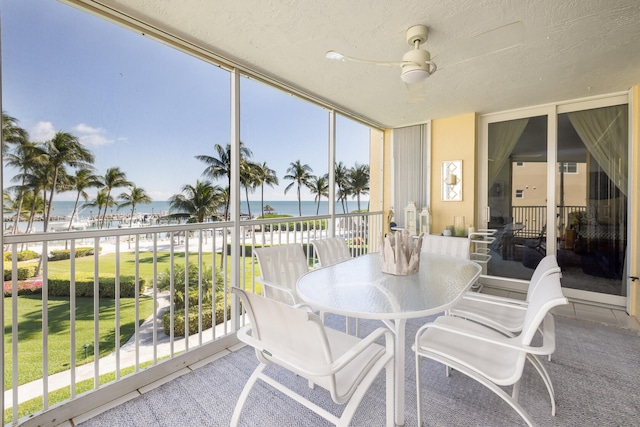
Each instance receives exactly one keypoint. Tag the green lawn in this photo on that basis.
(107, 265)
(30, 332)
(30, 313)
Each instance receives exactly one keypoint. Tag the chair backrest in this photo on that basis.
(331, 251)
(547, 296)
(453, 246)
(507, 230)
(547, 265)
(281, 265)
(288, 335)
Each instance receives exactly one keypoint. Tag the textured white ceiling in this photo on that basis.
(571, 49)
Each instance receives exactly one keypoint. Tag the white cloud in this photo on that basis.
(91, 136)
(42, 131)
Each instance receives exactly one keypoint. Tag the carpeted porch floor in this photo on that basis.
(595, 372)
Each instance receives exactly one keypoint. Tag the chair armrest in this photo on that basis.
(304, 306)
(548, 337)
(491, 299)
(273, 286)
(244, 335)
(367, 341)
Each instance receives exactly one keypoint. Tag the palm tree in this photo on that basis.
(220, 167)
(113, 178)
(11, 132)
(83, 179)
(26, 157)
(64, 149)
(319, 186)
(359, 181)
(136, 196)
(199, 202)
(248, 179)
(39, 180)
(102, 200)
(265, 176)
(301, 175)
(341, 179)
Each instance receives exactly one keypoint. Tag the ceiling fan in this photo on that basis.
(417, 64)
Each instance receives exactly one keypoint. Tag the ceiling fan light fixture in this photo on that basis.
(417, 66)
(415, 75)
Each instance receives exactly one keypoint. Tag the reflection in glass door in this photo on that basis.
(517, 195)
(591, 197)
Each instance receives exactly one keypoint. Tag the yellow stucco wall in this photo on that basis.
(634, 296)
(453, 138)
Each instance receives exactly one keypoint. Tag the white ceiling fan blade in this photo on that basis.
(332, 54)
(488, 42)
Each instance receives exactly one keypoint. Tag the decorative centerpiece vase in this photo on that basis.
(400, 253)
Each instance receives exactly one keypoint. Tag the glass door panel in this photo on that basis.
(517, 195)
(591, 198)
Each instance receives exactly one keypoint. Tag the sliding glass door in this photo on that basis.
(555, 181)
(592, 198)
(517, 194)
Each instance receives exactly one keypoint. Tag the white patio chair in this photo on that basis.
(496, 360)
(503, 314)
(331, 250)
(280, 268)
(294, 338)
(445, 245)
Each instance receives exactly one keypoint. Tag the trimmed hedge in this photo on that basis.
(24, 271)
(248, 249)
(60, 287)
(178, 322)
(22, 255)
(61, 254)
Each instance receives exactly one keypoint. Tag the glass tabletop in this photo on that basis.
(359, 288)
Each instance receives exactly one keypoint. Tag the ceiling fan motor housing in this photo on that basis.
(416, 66)
(417, 33)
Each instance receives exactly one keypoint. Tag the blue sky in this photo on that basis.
(147, 108)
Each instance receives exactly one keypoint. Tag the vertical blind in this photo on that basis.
(411, 169)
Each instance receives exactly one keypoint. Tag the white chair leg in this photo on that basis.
(515, 393)
(245, 393)
(418, 390)
(546, 379)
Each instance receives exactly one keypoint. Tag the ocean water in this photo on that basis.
(285, 207)
(63, 209)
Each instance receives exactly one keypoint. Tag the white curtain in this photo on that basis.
(604, 131)
(411, 169)
(503, 137)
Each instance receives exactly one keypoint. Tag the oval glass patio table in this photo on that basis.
(359, 288)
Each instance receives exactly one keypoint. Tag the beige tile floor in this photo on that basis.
(614, 316)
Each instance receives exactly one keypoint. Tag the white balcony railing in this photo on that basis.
(128, 268)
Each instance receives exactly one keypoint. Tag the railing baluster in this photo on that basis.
(117, 317)
(72, 316)
(45, 329)
(137, 303)
(14, 327)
